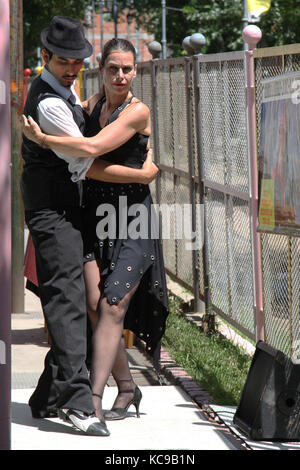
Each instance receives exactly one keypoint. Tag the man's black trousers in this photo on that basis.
(56, 234)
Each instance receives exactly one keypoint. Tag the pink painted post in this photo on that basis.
(5, 227)
(252, 35)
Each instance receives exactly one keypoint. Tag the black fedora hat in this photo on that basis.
(65, 37)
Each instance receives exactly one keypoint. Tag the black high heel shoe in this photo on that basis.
(120, 413)
(102, 421)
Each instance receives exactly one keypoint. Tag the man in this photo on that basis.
(52, 194)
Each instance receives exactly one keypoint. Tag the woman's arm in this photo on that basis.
(135, 118)
(104, 171)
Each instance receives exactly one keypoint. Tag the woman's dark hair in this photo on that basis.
(117, 44)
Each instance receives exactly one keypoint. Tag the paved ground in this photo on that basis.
(177, 416)
(170, 418)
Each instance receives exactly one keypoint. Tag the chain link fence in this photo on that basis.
(200, 141)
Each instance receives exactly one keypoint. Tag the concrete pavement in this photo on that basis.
(176, 418)
(170, 417)
(169, 421)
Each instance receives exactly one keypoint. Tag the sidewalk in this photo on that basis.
(170, 419)
(177, 416)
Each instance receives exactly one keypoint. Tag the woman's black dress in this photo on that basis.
(123, 237)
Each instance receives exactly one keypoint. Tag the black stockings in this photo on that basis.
(109, 353)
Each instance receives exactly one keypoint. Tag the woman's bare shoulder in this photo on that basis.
(137, 106)
(137, 115)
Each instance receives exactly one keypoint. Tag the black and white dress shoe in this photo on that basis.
(89, 424)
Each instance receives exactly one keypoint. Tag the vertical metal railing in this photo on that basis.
(253, 183)
(198, 304)
(203, 255)
(155, 138)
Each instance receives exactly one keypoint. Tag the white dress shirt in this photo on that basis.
(56, 119)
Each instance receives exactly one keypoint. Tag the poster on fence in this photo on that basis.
(279, 155)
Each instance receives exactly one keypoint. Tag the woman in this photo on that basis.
(132, 273)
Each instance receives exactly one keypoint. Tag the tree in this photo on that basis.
(281, 24)
(220, 21)
(38, 14)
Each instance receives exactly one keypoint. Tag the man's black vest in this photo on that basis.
(46, 181)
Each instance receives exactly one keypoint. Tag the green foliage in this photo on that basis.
(281, 24)
(37, 15)
(220, 21)
(214, 362)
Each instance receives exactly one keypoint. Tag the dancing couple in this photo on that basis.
(78, 156)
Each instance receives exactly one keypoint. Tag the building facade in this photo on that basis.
(100, 28)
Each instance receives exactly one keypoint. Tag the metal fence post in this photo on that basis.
(83, 78)
(155, 133)
(5, 227)
(198, 304)
(207, 298)
(16, 53)
(164, 28)
(252, 35)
